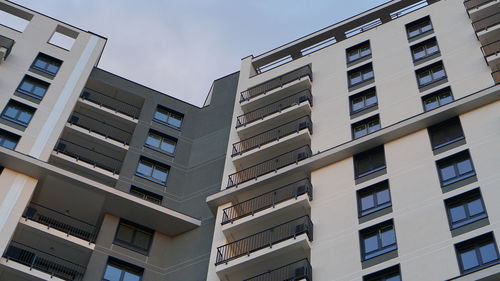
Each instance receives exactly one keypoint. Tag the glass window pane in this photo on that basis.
(145, 169)
(388, 237)
(368, 75)
(112, 273)
(360, 131)
(355, 78)
(160, 174)
(373, 126)
(475, 207)
(383, 196)
(353, 55)
(371, 99)
(419, 53)
(426, 27)
(447, 172)
(162, 116)
(488, 253)
(52, 68)
(431, 103)
(367, 202)
(413, 31)
(41, 64)
(142, 239)
(357, 103)
(469, 259)
(394, 278)
(125, 233)
(26, 86)
(11, 112)
(365, 51)
(438, 74)
(445, 98)
(168, 146)
(457, 213)
(39, 91)
(432, 48)
(131, 277)
(24, 117)
(9, 144)
(153, 140)
(370, 244)
(175, 120)
(424, 78)
(464, 166)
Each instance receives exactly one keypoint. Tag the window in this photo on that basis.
(365, 127)
(359, 51)
(419, 27)
(46, 64)
(152, 170)
(18, 113)
(363, 100)
(392, 273)
(161, 142)
(378, 240)
(455, 168)
(437, 99)
(8, 139)
(146, 195)
(477, 253)
(424, 49)
(117, 270)
(465, 208)
(360, 75)
(369, 162)
(430, 74)
(33, 87)
(133, 236)
(374, 198)
(168, 117)
(445, 133)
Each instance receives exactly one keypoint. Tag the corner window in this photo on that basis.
(430, 74)
(363, 100)
(33, 87)
(424, 49)
(8, 139)
(168, 117)
(437, 99)
(161, 142)
(46, 64)
(392, 273)
(369, 162)
(18, 113)
(455, 168)
(465, 208)
(146, 195)
(117, 270)
(152, 170)
(378, 240)
(477, 253)
(358, 52)
(445, 133)
(360, 75)
(374, 198)
(134, 236)
(419, 27)
(365, 127)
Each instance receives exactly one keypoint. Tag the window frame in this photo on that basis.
(363, 95)
(475, 244)
(453, 160)
(370, 153)
(419, 24)
(163, 138)
(425, 47)
(362, 71)
(384, 274)
(21, 108)
(144, 194)
(367, 124)
(463, 200)
(49, 60)
(8, 136)
(431, 71)
(154, 165)
(170, 114)
(438, 94)
(35, 82)
(373, 191)
(136, 228)
(125, 267)
(359, 50)
(377, 231)
(445, 128)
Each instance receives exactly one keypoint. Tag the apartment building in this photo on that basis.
(102, 178)
(367, 150)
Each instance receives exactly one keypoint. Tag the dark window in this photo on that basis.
(360, 75)
(168, 117)
(363, 100)
(374, 198)
(392, 273)
(33, 87)
(477, 253)
(117, 270)
(8, 139)
(47, 64)
(455, 168)
(134, 236)
(437, 99)
(18, 113)
(152, 170)
(161, 142)
(445, 133)
(418, 27)
(365, 127)
(378, 240)
(146, 195)
(430, 74)
(424, 49)
(465, 208)
(369, 162)
(359, 51)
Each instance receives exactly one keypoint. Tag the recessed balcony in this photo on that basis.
(113, 105)
(481, 8)
(492, 54)
(295, 271)
(488, 28)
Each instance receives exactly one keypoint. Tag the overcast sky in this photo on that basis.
(180, 46)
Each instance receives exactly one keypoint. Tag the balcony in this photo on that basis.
(264, 239)
(111, 104)
(41, 264)
(488, 28)
(268, 166)
(480, 8)
(287, 83)
(492, 54)
(299, 270)
(6, 45)
(68, 225)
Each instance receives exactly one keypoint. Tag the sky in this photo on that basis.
(179, 47)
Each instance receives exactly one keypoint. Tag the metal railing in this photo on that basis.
(267, 200)
(273, 134)
(100, 127)
(492, 48)
(89, 156)
(39, 260)
(111, 103)
(298, 270)
(62, 222)
(486, 22)
(277, 106)
(276, 83)
(270, 165)
(264, 239)
(469, 4)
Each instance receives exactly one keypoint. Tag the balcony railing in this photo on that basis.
(273, 134)
(89, 156)
(42, 261)
(267, 200)
(486, 22)
(298, 270)
(496, 76)
(264, 239)
(100, 127)
(276, 83)
(278, 106)
(62, 222)
(492, 48)
(270, 165)
(111, 103)
(469, 4)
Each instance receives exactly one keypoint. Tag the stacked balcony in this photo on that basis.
(6, 45)
(299, 270)
(114, 105)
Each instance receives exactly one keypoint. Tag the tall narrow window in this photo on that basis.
(46, 64)
(168, 117)
(33, 87)
(477, 253)
(152, 170)
(18, 113)
(378, 240)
